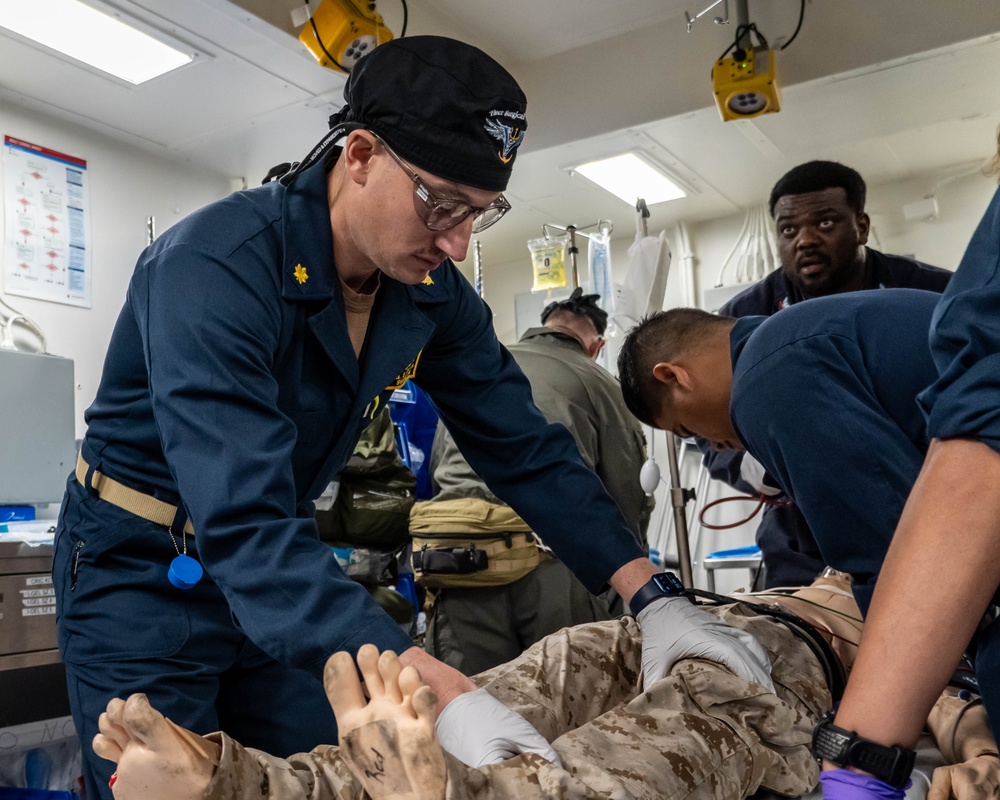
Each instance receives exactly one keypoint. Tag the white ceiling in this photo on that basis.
(896, 89)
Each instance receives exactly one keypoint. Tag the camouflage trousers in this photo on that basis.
(701, 732)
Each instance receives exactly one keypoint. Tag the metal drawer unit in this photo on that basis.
(27, 604)
(32, 678)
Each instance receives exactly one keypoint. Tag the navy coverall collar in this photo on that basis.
(738, 338)
(740, 335)
(307, 270)
(309, 274)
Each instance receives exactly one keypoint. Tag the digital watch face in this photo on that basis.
(668, 582)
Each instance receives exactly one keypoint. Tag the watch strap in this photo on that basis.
(845, 748)
(662, 584)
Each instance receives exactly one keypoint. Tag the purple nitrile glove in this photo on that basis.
(842, 784)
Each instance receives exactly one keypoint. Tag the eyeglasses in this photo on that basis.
(440, 213)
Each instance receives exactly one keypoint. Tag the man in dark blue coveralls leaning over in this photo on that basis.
(258, 338)
(822, 234)
(823, 395)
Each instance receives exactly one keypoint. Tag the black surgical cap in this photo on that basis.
(442, 105)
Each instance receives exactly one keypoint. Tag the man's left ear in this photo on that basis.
(864, 227)
(358, 151)
(671, 375)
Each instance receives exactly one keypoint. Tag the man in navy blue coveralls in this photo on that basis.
(943, 569)
(823, 395)
(822, 233)
(258, 338)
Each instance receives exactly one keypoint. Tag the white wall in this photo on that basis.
(961, 203)
(127, 185)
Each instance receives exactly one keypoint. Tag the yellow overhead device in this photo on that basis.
(746, 87)
(341, 31)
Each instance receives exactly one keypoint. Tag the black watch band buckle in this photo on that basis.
(844, 748)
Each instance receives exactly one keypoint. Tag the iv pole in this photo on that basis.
(679, 495)
(605, 227)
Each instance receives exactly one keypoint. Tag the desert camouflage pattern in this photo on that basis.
(701, 732)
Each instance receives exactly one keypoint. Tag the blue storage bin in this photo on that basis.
(17, 513)
(750, 551)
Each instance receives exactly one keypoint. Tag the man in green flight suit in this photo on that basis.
(476, 627)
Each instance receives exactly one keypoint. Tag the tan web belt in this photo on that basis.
(118, 494)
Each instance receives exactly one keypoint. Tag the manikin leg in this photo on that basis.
(156, 759)
(388, 741)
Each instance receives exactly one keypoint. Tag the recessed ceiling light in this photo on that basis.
(94, 37)
(631, 176)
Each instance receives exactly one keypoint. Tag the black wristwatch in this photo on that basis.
(662, 584)
(892, 765)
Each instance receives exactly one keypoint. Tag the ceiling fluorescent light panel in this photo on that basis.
(630, 176)
(94, 37)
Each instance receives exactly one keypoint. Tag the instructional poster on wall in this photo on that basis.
(47, 250)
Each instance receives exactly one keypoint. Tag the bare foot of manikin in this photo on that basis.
(157, 760)
(388, 741)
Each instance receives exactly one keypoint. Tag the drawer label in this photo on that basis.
(38, 601)
(37, 611)
(37, 592)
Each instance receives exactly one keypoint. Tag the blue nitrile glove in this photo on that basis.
(842, 784)
(478, 729)
(674, 628)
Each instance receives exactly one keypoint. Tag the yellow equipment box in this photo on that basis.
(347, 30)
(746, 87)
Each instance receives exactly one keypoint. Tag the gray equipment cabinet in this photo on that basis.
(37, 440)
(37, 452)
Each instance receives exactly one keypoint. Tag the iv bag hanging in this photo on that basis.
(548, 262)
(599, 261)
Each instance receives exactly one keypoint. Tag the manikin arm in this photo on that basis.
(962, 733)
